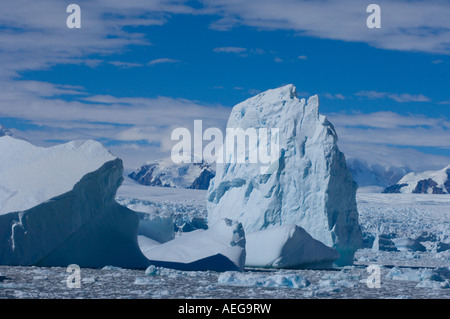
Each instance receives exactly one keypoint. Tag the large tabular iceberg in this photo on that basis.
(57, 207)
(311, 186)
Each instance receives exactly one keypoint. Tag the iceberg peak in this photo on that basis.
(311, 187)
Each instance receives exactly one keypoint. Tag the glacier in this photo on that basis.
(57, 207)
(311, 188)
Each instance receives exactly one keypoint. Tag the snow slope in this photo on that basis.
(312, 187)
(57, 207)
(30, 175)
(429, 182)
(4, 131)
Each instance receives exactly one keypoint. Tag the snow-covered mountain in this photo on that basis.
(311, 186)
(367, 174)
(429, 182)
(168, 174)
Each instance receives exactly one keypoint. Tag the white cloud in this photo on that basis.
(337, 96)
(392, 139)
(236, 50)
(162, 61)
(125, 65)
(387, 120)
(112, 120)
(389, 128)
(388, 156)
(401, 98)
(34, 35)
(407, 25)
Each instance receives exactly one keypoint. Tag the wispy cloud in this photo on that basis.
(125, 65)
(393, 129)
(389, 138)
(337, 96)
(236, 50)
(407, 25)
(401, 98)
(163, 61)
(34, 35)
(138, 121)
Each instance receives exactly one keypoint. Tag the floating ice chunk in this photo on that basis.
(112, 268)
(152, 271)
(89, 280)
(287, 246)
(408, 244)
(277, 280)
(219, 248)
(421, 274)
(434, 284)
(383, 242)
(144, 281)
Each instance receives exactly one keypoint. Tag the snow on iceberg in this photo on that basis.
(57, 207)
(287, 246)
(219, 248)
(311, 188)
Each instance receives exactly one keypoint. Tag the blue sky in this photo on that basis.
(137, 69)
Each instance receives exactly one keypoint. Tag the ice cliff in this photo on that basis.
(57, 207)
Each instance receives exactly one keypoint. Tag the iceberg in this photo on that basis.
(219, 248)
(57, 207)
(310, 184)
(287, 246)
